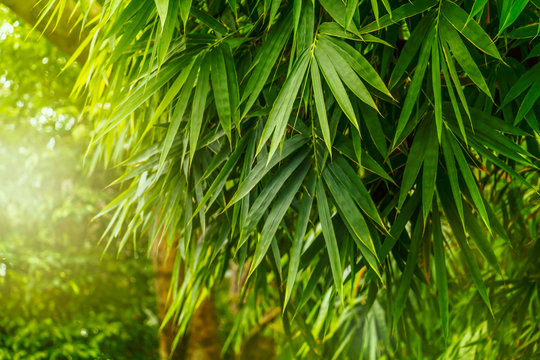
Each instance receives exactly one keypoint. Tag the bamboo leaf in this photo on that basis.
(410, 265)
(359, 64)
(281, 110)
(262, 168)
(414, 88)
(298, 240)
(220, 87)
(346, 73)
(470, 30)
(402, 12)
(330, 238)
(162, 8)
(436, 83)
(464, 58)
(511, 14)
(198, 107)
(469, 180)
(264, 62)
(277, 213)
(355, 221)
(338, 12)
(178, 114)
(414, 161)
(459, 235)
(452, 174)
(335, 84)
(440, 268)
(411, 47)
(528, 102)
(320, 104)
(356, 189)
(429, 171)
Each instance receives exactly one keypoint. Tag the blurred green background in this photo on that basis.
(61, 296)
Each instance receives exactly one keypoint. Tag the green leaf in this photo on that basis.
(414, 88)
(480, 238)
(455, 79)
(524, 81)
(350, 10)
(470, 30)
(142, 93)
(453, 99)
(359, 64)
(529, 101)
(374, 127)
(511, 14)
(459, 235)
(267, 195)
(264, 61)
(402, 12)
(298, 240)
(429, 171)
(232, 83)
(464, 58)
(185, 8)
(209, 21)
(338, 12)
(415, 159)
(354, 219)
(220, 87)
(436, 83)
(173, 90)
(469, 180)
(335, 84)
(403, 217)
(330, 238)
(477, 7)
(411, 47)
(441, 281)
(452, 174)
(225, 171)
(162, 8)
(179, 111)
(410, 266)
(262, 167)
(320, 104)
(282, 108)
(353, 185)
(345, 72)
(199, 105)
(304, 32)
(277, 213)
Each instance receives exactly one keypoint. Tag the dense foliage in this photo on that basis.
(61, 296)
(371, 168)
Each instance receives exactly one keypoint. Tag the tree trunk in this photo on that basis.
(163, 266)
(203, 340)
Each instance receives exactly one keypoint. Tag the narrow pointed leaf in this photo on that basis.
(277, 213)
(414, 88)
(320, 104)
(410, 266)
(429, 171)
(470, 30)
(220, 87)
(298, 240)
(336, 85)
(198, 107)
(441, 281)
(330, 238)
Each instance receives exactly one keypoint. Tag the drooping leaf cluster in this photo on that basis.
(354, 159)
